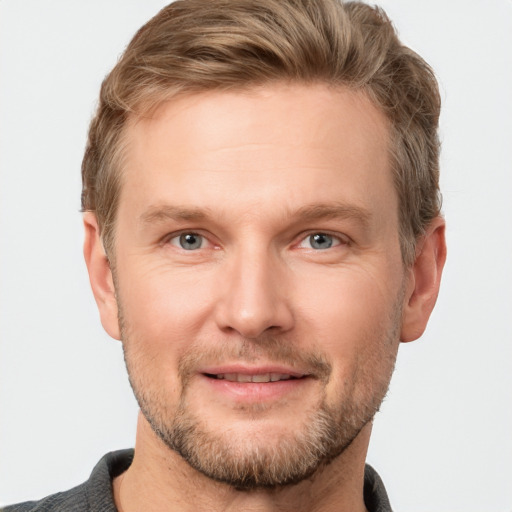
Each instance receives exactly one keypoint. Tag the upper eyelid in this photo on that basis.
(175, 234)
(178, 232)
(343, 238)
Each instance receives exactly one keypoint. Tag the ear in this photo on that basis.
(100, 276)
(423, 281)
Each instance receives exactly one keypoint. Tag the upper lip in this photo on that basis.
(252, 370)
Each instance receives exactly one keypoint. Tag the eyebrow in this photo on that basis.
(162, 213)
(334, 211)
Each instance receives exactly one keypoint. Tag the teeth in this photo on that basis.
(262, 377)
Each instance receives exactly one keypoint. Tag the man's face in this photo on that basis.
(259, 276)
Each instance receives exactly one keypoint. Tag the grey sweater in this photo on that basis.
(95, 495)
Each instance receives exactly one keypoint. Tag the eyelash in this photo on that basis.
(338, 240)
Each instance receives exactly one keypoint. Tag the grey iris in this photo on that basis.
(320, 241)
(190, 241)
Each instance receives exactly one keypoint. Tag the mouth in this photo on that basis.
(247, 384)
(257, 378)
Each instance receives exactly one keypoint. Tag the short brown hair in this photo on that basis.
(197, 45)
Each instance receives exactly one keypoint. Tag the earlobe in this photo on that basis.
(423, 281)
(100, 276)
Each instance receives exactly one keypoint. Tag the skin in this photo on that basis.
(256, 174)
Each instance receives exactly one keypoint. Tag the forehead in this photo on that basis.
(282, 143)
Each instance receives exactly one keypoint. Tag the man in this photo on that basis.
(262, 229)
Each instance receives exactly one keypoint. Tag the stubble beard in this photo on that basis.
(261, 462)
(249, 463)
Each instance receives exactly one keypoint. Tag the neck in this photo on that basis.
(161, 480)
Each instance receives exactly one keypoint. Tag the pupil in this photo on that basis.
(321, 241)
(190, 241)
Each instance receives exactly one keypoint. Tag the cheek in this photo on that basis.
(354, 318)
(163, 313)
(165, 304)
(346, 302)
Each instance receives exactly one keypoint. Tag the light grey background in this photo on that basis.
(443, 440)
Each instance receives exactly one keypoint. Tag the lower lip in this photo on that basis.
(251, 392)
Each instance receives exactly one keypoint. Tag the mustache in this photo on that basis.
(266, 348)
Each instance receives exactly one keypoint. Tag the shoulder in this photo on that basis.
(375, 495)
(70, 501)
(94, 494)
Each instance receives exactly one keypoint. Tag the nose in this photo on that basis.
(253, 296)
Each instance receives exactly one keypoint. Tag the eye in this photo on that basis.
(188, 241)
(320, 241)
